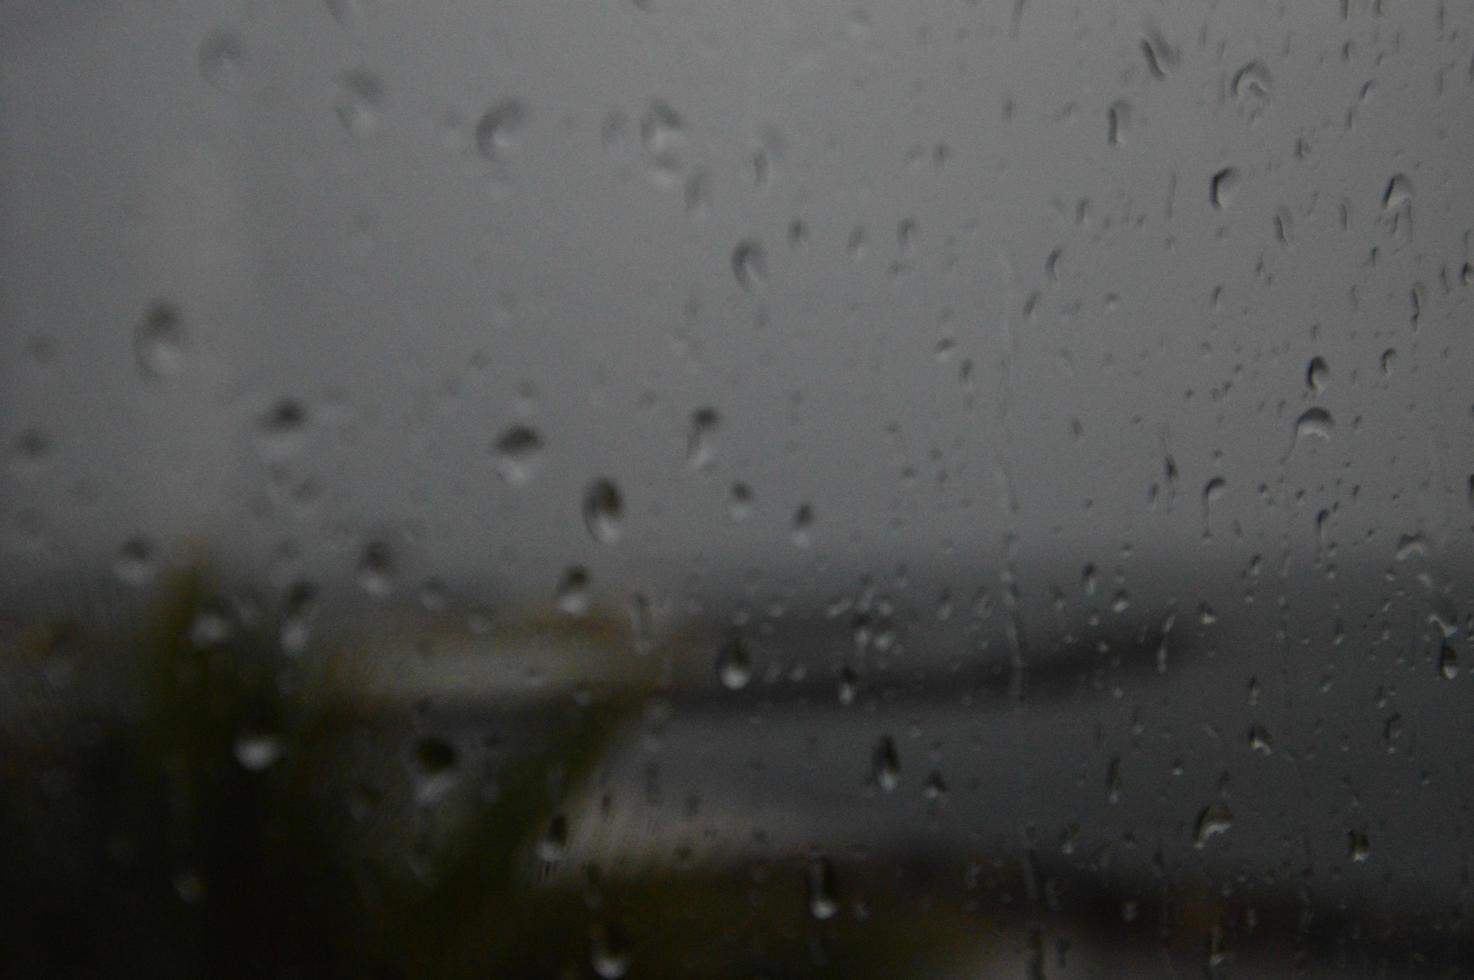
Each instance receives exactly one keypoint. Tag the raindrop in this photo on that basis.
(1252, 89)
(518, 452)
(734, 664)
(609, 952)
(1317, 375)
(574, 598)
(886, 764)
(750, 265)
(663, 135)
(1314, 423)
(360, 103)
(936, 786)
(222, 59)
(1215, 819)
(1223, 187)
(281, 430)
(1118, 121)
(1448, 662)
(159, 341)
(603, 511)
(701, 450)
(553, 843)
(376, 571)
(1358, 847)
(257, 752)
(823, 903)
(1398, 193)
(136, 564)
(1161, 56)
(739, 501)
(803, 522)
(500, 127)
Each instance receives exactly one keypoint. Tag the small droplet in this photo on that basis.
(663, 136)
(1398, 193)
(159, 341)
(257, 751)
(361, 100)
(1215, 819)
(553, 843)
(518, 451)
(574, 598)
(749, 265)
(1259, 739)
(500, 128)
(1224, 186)
(936, 786)
(803, 522)
(1118, 121)
(281, 430)
(603, 511)
(734, 664)
(136, 564)
(701, 438)
(1448, 662)
(222, 59)
(376, 569)
(823, 903)
(886, 764)
(1358, 847)
(1317, 375)
(609, 952)
(739, 502)
(1252, 89)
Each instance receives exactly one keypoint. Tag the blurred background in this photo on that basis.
(776, 489)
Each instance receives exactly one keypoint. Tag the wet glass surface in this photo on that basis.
(660, 488)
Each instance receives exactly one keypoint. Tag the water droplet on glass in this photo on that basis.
(1448, 661)
(1223, 187)
(1358, 847)
(500, 128)
(222, 59)
(603, 511)
(376, 569)
(281, 430)
(749, 265)
(886, 764)
(1252, 89)
(1118, 121)
(136, 564)
(257, 751)
(739, 501)
(663, 135)
(360, 102)
(553, 843)
(159, 341)
(1215, 819)
(574, 598)
(701, 439)
(823, 903)
(1317, 375)
(803, 522)
(1314, 423)
(1398, 193)
(734, 664)
(518, 452)
(609, 952)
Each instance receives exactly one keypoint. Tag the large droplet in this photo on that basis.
(609, 951)
(500, 127)
(1314, 423)
(159, 341)
(553, 843)
(603, 511)
(518, 451)
(1448, 661)
(257, 751)
(376, 569)
(1317, 375)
